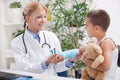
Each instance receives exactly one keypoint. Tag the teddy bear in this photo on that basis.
(94, 53)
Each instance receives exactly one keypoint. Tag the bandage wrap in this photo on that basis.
(70, 53)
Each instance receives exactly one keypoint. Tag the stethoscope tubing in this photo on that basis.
(45, 41)
(24, 43)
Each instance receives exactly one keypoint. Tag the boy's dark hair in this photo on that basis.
(99, 17)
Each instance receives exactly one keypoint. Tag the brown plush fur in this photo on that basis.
(93, 52)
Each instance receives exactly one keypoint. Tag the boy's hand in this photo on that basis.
(77, 58)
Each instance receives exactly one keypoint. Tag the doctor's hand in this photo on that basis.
(54, 59)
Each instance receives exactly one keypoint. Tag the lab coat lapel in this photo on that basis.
(35, 47)
(32, 45)
(45, 50)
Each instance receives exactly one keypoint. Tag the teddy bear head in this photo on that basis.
(94, 53)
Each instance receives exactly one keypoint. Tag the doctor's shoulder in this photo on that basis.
(50, 33)
(52, 37)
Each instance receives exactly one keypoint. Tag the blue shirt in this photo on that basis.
(35, 35)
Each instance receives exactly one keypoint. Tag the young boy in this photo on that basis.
(97, 23)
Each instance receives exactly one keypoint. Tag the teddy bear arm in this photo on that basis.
(100, 76)
(97, 61)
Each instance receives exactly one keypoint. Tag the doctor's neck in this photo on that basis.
(33, 30)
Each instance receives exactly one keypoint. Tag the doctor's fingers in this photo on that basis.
(57, 58)
(60, 59)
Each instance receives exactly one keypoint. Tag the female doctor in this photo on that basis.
(35, 50)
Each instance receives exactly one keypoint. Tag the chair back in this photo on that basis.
(118, 55)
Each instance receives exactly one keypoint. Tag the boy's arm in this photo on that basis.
(78, 57)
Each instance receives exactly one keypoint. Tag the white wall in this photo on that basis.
(113, 9)
(1, 22)
(3, 35)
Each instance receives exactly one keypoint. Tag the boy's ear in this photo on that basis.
(97, 27)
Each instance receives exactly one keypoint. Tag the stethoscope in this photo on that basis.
(44, 44)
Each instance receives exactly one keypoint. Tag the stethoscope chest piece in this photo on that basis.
(27, 56)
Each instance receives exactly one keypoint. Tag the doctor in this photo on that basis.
(35, 50)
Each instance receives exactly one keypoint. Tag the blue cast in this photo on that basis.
(70, 53)
(23, 78)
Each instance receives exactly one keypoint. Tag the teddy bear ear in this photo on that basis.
(97, 49)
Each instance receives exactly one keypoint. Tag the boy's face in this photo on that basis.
(90, 28)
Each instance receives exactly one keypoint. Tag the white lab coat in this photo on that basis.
(36, 53)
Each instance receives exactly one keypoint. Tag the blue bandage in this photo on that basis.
(70, 53)
(23, 78)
